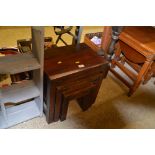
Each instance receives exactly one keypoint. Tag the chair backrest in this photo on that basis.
(59, 30)
(25, 45)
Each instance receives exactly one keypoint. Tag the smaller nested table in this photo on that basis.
(71, 72)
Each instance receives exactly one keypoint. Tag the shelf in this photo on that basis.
(20, 113)
(28, 94)
(3, 122)
(19, 92)
(13, 64)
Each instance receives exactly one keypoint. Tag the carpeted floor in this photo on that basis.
(112, 108)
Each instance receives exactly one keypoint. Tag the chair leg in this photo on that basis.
(58, 39)
(147, 77)
(63, 41)
(140, 76)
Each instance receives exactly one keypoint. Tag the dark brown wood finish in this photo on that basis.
(64, 74)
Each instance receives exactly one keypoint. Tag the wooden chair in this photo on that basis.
(135, 47)
(25, 45)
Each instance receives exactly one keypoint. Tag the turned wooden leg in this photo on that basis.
(116, 30)
(140, 76)
(116, 56)
(118, 52)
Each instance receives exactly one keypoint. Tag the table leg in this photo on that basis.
(50, 99)
(64, 109)
(58, 103)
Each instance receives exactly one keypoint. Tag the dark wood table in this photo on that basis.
(67, 66)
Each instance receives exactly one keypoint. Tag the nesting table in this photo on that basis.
(71, 72)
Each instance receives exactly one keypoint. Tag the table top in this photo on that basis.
(66, 60)
(141, 38)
